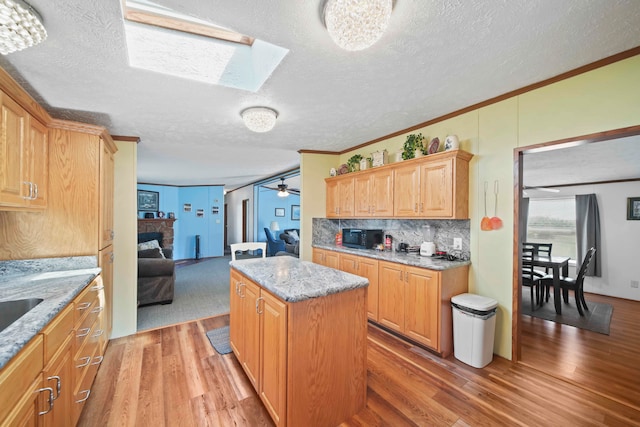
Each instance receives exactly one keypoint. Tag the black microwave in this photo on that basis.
(359, 238)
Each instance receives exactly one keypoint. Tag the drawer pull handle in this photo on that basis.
(86, 397)
(97, 288)
(258, 305)
(86, 359)
(58, 385)
(84, 333)
(97, 309)
(50, 390)
(99, 361)
(98, 333)
(84, 306)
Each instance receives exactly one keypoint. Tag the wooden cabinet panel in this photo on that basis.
(14, 153)
(106, 194)
(437, 189)
(58, 375)
(39, 163)
(364, 267)
(406, 191)
(373, 194)
(273, 365)
(363, 199)
(251, 360)
(340, 197)
(105, 261)
(26, 412)
(326, 258)
(236, 315)
(421, 306)
(391, 291)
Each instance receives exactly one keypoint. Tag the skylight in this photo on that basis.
(163, 41)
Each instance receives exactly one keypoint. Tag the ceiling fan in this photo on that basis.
(282, 189)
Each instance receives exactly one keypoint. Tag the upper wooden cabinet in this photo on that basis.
(434, 186)
(340, 193)
(24, 158)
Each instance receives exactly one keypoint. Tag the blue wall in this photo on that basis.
(210, 227)
(267, 202)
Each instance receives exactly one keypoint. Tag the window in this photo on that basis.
(553, 221)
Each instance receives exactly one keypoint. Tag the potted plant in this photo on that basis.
(354, 163)
(413, 146)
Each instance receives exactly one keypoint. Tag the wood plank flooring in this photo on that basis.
(173, 377)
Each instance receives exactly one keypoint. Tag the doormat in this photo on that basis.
(597, 319)
(219, 339)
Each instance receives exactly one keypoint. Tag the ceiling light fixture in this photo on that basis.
(259, 119)
(282, 189)
(356, 24)
(20, 26)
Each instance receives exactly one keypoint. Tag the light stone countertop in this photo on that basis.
(55, 280)
(293, 280)
(413, 259)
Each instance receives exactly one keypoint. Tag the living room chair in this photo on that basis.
(248, 246)
(274, 246)
(576, 285)
(156, 272)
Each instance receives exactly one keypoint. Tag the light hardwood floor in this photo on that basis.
(173, 377)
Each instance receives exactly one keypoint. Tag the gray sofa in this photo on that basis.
(156, 275)
(291, 246)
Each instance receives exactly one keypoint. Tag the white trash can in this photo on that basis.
(474, 325)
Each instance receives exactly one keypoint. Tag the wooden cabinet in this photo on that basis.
(340, 197)
(433, 186)
(391, 295)
(23, 158)
(105, 261)
(326, 258)
(364, 267)
(373, 194)
(258, 336)
(21, 393)
(107, 149)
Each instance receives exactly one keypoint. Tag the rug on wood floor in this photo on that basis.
(219, 339)
(596, 319)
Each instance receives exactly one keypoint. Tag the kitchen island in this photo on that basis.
(299, 330)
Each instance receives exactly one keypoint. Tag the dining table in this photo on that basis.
(559, 265)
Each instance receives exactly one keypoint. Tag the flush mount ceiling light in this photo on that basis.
(259, 119)
(282, 189)
(20, 26)
(356, 24)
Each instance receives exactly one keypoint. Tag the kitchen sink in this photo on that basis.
(10, 311)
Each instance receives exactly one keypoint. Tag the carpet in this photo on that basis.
(201, 290)
(597, 319)
(219, 339)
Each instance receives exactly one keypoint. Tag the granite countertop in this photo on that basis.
(56, 280)
(293, 280)
(413, 259)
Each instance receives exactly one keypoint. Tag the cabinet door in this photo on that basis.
(368, 268)
(437, 189)
(273, 355)
(332, 198)
(26, 412)
(363, 206)
(106, 195)
(251, 360)
(39, 163)
(332, 259)
(236, 315)
(382, 193)
(318, 256)
(391, 295)
(58, 375)
(14, 153)
(406, 191)
(421, 306)
(346, 197)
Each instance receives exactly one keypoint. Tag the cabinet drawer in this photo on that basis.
(84, 380)
(18, 375)
(86, 328)
(86, 298)
(56, 332)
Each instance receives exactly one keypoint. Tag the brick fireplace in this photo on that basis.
(161, 225)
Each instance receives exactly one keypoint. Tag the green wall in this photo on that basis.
(603, 99)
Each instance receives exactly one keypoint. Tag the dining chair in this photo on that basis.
(569, 283)
(248, 246)
(540, 249)
(529, 278)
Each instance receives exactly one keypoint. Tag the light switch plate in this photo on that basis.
(457, 243)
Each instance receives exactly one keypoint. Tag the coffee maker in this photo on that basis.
(428, 247)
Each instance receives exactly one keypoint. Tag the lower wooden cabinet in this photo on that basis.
(326, 258)
(364, 267)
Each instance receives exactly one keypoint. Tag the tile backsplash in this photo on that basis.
(409, 231)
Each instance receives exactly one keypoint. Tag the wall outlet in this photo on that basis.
(634, 283)
(457, 243)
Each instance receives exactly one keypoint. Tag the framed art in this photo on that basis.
(279, 211)
(148, 201)
(295, 212)
(633, 208)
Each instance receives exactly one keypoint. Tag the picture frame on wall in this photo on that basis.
(295, 212)
(633, 208)
(148, 201)
(279, 211)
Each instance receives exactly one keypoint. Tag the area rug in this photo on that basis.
(219, 339)
(597, 319)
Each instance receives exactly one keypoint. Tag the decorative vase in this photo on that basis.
(451, 143)
(417, 153)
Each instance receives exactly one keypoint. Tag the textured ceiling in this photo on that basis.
(436, 57)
